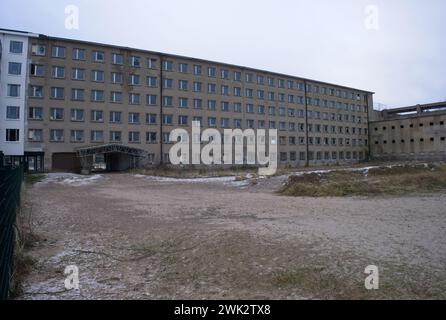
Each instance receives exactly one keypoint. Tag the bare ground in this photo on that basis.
(137, 237)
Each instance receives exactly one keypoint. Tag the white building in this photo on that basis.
(13, 85)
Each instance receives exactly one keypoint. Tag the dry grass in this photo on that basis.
(398, 180)
(191, 172)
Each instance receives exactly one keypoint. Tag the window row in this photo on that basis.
(78, 94)
(136, 61)
(431, 124)
(321, 155)
(412, 140)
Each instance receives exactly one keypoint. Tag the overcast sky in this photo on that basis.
(397, 51)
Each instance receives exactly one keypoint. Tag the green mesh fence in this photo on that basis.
(10, 186)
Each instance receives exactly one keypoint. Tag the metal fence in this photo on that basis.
(10, 186)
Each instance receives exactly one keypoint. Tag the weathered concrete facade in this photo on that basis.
(83, 94)
(410, 133)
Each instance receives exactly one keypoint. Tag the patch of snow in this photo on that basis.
(70, 179)
(229, 180)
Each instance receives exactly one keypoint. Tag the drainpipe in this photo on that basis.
(368, 128)
(307, 162)
(161, 109)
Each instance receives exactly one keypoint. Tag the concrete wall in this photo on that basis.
(417, 136)
(338, 126)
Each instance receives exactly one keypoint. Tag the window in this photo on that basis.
(37, 70)
(77, 94)
(79, 54)
(98, 56)
(151, 99)
(237, 107)
(238, 123)
(248, 77)
(116, 77)
(167, 101)
(38, 49)
(212, 105)
(56, 135)
(197, 70)
(78, 74)
(182, 85)
(97, 116)
(134, 80)
(237, 76)
(212, 72)
(115, 117)
(77, 136)
(115, 136)
(77, 115)
(224, 122)
(183, 68)
(58, 72)
(133, 118)
(97, 76)
(58, 52)
(249, 108)
(183, 102)
(35, 113)
(151, 118)
(151, 63)
(16, 47)
(97, 136)
(12, 135)
(35, 135)
(97, 95)
(36, 91)
(224, 106)
(198, 119)
(225, 90)
(225, 74)
(134, 98)
(12, 113)
(15, 68)
(168, 65)
(260, 80)
(135, 61)
(13, 90)
(272, 111)
(212, 122)
(212, 88)
(168, 84)
(117, 58)
(182, 120)
(152, 82)
(56, 114)
(116, 97)
(133, 136)
(151, 137)
(197, 86)
(167, 119)
(198, 104)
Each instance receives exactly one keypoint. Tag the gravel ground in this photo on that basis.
(139, 237)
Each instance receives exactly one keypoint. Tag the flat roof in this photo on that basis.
(193, 59)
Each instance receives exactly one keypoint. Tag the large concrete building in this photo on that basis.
(409, 133)
(81, 99)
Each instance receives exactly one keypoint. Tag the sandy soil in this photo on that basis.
(138, 237)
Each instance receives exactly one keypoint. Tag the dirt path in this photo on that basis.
(136, 237)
